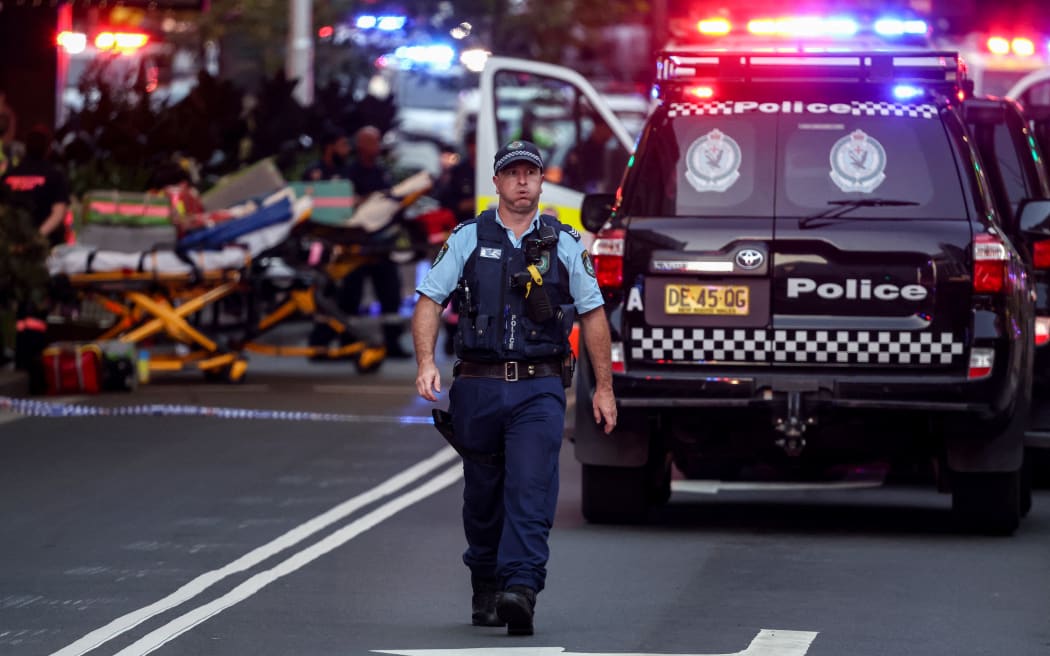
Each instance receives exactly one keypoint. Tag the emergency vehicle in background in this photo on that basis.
(127, 49)
(996, 61)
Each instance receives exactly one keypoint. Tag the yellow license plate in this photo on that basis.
(723, 300)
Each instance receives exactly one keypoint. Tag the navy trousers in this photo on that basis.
(508, 511)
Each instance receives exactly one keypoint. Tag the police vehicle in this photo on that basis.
(1009, 143)
(806, 269)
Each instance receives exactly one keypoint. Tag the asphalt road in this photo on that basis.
(340, 535)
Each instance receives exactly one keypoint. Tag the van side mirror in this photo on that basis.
(1034, 216)
(982, 111)
(596, 210)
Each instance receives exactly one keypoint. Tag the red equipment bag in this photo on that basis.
(73, 368)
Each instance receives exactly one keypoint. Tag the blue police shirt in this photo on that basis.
(444, 274)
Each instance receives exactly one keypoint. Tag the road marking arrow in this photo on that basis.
(768, 642)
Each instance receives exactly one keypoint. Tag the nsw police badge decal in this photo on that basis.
(857, 163)
(588, 265)
(441, 253)
(713, 162)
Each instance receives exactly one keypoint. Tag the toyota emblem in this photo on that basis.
(750, 258)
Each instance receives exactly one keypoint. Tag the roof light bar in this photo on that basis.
(121, 41)
(998, 45)
(1022, 47)
(802, 26)
(899, 27)
(73, 43)
(923, 71)
(714, 26)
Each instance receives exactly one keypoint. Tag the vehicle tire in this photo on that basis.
(987, 502)
(614, 495)
(658, 474)
(1039, 466)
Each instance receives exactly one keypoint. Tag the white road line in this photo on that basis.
(204, 581)
(173, 629)
(768, 642)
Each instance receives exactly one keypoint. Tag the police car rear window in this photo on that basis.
(796, 159)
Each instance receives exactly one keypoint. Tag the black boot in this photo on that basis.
(483, 602)
(516, 607)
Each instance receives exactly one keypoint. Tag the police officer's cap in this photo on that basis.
(517, 151)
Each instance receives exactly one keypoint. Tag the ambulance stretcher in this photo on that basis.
(161, 292)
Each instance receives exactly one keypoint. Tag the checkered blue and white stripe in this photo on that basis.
(872, 108)
(865, 347)
(858, 108)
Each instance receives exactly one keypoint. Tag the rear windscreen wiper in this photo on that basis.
(840, 207)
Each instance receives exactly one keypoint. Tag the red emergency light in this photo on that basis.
(73, 43)
(1020, 46)
(125, 42)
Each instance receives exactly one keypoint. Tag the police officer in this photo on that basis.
(521, 279)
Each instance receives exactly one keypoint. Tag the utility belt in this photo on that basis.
(514, 371)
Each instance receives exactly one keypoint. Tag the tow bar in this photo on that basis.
(793, 426)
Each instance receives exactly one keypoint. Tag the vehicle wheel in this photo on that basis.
(614, 495)
(1039, 466)
(658, 473)
(987, 502)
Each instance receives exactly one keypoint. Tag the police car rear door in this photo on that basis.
(699, 207)
(556, 108)
(872, 235)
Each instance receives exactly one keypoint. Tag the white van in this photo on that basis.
(556, 108)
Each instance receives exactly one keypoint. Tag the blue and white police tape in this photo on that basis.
(35, 408)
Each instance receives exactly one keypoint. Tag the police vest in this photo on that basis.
(493, 323)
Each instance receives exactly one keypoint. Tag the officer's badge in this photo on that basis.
(858, 163)
(544, 265)
(588, 264)
(713, 162)
(441, 254)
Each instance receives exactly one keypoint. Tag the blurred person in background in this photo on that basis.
(366, 175)
(585, 165)
(456, 185)
(456, 193)
(7, 132)
(335, 154)
(40, 187)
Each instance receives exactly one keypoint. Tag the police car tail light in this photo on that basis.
(1041, 254)
(989, 264)
(1042, 330)
(981, 361)
(619, 365)
(608, 258)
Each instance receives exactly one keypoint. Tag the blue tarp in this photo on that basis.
(227, 232)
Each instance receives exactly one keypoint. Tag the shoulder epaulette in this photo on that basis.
(564, 227)
(463, 224)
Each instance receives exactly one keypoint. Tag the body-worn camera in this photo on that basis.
(537, 303)
(544, 239)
